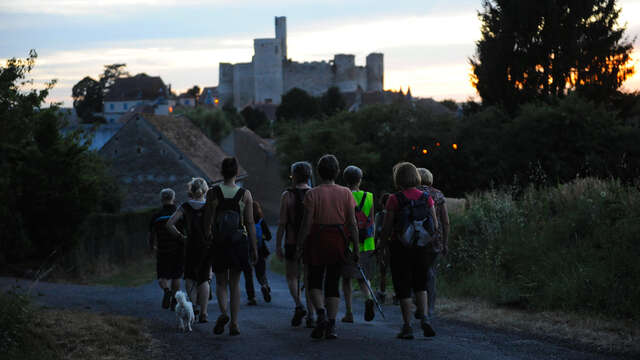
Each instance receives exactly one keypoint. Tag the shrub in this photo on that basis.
(569, 247)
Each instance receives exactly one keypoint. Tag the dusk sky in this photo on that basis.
(426, 44)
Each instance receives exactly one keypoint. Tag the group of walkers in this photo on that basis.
(330, 232)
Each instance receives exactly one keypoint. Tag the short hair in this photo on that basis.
(197, 187)
(328, 167)
(229, 168)
(301, 172)
(426, 177)
(406, 175)
(167, 195)
(352, 175)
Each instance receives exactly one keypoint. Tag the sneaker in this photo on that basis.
(310, 323)
(202, 319)
(298, 315)
(223, 319)
(233, 330)
(369, 312)
(330, 332)
(319, 331)
(426, 328)
(348, 318)
(166, 299)
(266, 293)
(252, 302)
(406, 333)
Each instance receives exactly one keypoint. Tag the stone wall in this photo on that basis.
(243, 85)
(144, 163)
(225, 82)
(312, 77)
(267, 66)
(375, 72)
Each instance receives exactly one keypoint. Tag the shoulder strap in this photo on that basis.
(362, 200)
(239, 195)
(402, 199)
(219, 194)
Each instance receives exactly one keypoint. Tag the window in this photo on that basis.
(124, 106)
(186, 102)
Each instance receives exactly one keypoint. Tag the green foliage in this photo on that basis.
(49, 183)
(568, 247)
(87, 98)
(332, 101)
(296, 106)
(215, 123)
(110, 74)
(538, 50)
(450, 104)
(257, 121)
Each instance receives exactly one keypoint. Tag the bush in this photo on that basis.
(568, 247)
(214, 123)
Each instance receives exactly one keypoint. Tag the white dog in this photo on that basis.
(184, 312)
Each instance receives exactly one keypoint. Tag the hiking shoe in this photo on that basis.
(223, 319)
(406, 333)
(418, 315)
(310, 323)
(233, 330)
(348, 318)
(166, 299)
(298, 315)
(203, 319)
(369, 311)
(252, 302)
(266, 293)
(319, 331)
(330, 332)
(426, 328)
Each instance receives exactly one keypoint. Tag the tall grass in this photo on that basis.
(569, 247)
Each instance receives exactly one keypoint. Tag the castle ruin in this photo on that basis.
(271, 74)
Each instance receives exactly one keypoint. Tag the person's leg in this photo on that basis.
(234, 288)
(248, 284)
(421, 266)
(203, 300)
(292, 281)
(431, 288)
(311, 308)
(221, 291)
(261, 271)
(346, 289)
(163, 283)
(175, 285)
(332, 294)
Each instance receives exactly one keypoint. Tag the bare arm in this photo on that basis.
(387, 227)
(305, 229)
(434, 217)
(281, 227)
(250, 224)
(444, 215)
(153, 240)
(171, 224)
(352, 228)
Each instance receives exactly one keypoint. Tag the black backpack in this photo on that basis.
(194, 221)
(299, 206)
(228, 224)
(414, 222)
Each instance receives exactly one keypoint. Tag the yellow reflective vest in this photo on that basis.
(369, 243)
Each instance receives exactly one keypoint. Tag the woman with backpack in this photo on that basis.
(329, 211)
(408, 224)
(291, 213)
(197, 260)
(229, 221)
(262, 234)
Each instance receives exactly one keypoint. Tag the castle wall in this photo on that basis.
(375, 72)
(267, 65)
(361, 77)
(281, 34)
(243, 85)
(312, 77)
(345, 72)
(225, 83)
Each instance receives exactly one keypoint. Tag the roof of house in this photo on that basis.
(193, 143)
(139, 87)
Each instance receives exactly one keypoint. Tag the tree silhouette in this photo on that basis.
(541, 49)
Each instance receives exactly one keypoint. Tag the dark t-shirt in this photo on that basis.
(158, 225)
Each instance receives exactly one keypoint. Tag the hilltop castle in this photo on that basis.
(271, 74)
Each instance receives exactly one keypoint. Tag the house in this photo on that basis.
(186, 100)
(151, 152)
(209, 96)
(129, 92)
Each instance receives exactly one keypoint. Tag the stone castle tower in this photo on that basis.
(271, 74)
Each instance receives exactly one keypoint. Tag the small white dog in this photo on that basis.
(184, 312)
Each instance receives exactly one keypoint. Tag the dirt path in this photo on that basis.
(266, 332)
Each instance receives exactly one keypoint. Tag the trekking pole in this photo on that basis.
(373, 296)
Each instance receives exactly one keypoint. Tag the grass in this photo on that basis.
(131, 274)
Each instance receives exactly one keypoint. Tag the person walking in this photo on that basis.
(197, 260)
(229, 221)
(364, 211)
(382, 254)
(409, 255)
(262, 234)
(169, 249)
(291, 214)
(440, 245)
(329, 212)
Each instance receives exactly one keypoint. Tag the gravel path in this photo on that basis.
(266, 331)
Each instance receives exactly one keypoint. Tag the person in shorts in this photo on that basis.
(291, 214)
(169, 249)
(352, 176)
(262, 234)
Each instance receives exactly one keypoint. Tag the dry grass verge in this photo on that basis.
(84, 335)
(615, 336)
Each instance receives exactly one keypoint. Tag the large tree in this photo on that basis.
(110, 74)
(541, 49)
(87, 98)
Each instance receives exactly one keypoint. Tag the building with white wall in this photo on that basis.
(136, 91)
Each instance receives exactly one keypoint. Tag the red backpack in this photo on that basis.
(365, 223)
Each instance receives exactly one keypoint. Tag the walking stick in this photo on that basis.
(373, 296)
